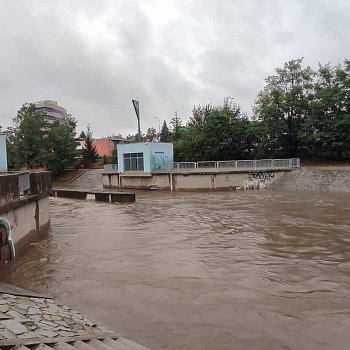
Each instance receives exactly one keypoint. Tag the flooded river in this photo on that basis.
(228, 270)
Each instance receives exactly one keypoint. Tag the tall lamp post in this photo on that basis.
(158, 126)
(136, 105)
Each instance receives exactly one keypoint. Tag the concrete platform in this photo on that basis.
(103, 196)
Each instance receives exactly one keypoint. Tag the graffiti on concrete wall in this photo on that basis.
(262, 176)
(258, 179)
(7, 248)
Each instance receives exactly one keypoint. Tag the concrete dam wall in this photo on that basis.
(315, 179)
(304, 179)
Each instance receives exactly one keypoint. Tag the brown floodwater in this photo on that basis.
(225, 270)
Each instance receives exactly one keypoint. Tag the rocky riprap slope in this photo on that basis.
(39, 323)
(27, 317)
(315, 179)
(89, 179)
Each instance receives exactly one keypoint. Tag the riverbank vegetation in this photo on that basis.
(299, 113)
(33, 143)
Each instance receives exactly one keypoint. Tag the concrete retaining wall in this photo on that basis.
(29, 222)
(189, 181)
(27, 215)
(9, 189)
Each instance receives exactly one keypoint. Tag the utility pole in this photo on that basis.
(158, 126)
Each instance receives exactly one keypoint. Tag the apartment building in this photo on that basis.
(52, 111)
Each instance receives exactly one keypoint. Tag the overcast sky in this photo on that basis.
(94, 57)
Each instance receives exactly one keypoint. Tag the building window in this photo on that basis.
(50, 110)
(133, 162)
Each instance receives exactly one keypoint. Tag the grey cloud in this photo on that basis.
(93, 57)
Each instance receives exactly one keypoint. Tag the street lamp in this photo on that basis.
(136, 105)
(158, 125)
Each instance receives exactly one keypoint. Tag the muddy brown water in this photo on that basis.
(227, 270)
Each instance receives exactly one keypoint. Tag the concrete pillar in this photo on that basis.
(123, 197)
(171, 182)
(102, 197)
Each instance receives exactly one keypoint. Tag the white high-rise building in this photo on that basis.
(52, 111)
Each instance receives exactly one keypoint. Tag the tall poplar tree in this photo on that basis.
(89, 152)
(164, 133)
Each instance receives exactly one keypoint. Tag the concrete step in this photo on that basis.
(80, 345)
(132, 345)
(42, 347)
(115, 343)
(63, 346)
(99, 345)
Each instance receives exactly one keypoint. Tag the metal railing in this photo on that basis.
(206, 166)
(257, 164)
(217, 166)
(110, 168)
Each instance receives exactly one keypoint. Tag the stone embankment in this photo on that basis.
(89, 179)
(315, 179)
(28, 321)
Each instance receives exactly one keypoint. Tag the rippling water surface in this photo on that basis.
(228, 270)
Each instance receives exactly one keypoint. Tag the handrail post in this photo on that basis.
(254, 163)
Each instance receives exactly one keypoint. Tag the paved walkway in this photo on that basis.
(29, 321)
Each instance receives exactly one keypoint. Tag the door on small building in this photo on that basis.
(159, 160)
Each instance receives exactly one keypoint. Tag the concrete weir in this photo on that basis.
(102, 196)
(193, 181)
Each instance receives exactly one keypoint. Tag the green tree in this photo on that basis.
(151, 134)
(216, 133)
(82, 135)
(258, 139)
(33, 143)
(10, 145)
(61, 145)
(326, 133)
(284, 105)
(114, 157)
(89, 152)
(190, 147)
(199, 115)
(164, 133)
(225, 133)
(134, 138)
(28, 139)
(176, 124)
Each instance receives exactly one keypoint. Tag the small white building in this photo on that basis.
(146, 157)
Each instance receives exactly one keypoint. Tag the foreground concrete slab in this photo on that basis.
(32, 321)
